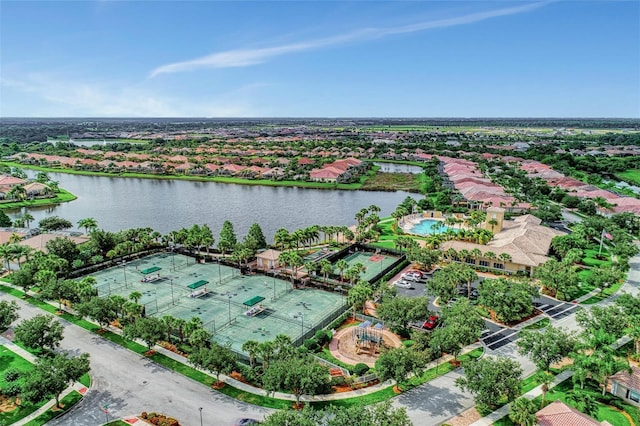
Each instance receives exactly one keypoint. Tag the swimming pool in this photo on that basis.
(425, 227)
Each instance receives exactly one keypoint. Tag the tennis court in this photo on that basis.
(374, 263)
(233, 307)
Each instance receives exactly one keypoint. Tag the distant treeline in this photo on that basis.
(25, 130)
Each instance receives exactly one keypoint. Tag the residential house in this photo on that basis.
(558, 413)
(627, 385)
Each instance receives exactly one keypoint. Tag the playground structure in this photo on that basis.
(367, 338)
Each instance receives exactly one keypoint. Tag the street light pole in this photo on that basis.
(124, 269)
(200, 416)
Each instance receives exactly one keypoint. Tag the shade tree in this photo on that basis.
(52, 375)
(42, 332)
(491, 380)
(547, 346)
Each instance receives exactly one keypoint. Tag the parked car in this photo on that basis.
(431, 322)
(410, 277)
(246, 422)
(402, 284)
(418, 274)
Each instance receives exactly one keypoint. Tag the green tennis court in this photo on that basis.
(233, 307)
(374, 263)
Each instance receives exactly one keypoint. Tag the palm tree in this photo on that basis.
(546, 379)
(135, 296)
(27, 217)
(493, 224)
(342, 265)
(310, 267)
(251, 347)
(583, 401)
(14, 238)
(522, 412)
(505, 257)
(325, 268)
(6, 255)
(476, 254)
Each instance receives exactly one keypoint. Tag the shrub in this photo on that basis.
(337, 381)
(361, 369)
(12, 389)
(323, 337)
(11, 375)
(312, 345)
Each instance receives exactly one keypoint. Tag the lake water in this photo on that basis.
(399, 168)
(166, 205)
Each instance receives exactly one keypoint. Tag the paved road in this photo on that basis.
(130, 384)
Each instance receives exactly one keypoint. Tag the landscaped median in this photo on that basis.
(248, 393)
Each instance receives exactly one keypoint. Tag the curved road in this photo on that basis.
(131, 384)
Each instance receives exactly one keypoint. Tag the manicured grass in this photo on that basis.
(544, 322)
(603, 295)
(67, 403)
(10, 360)
(117, 423)
(85, 379)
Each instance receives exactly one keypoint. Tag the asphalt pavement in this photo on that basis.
(130, 384)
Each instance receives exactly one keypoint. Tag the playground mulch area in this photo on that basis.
(343, 347)
(174, 284)
(374, 263)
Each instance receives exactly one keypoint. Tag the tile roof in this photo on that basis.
(560, 414)
(630, 381)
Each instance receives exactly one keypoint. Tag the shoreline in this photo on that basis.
(63, 196)
(357, 186)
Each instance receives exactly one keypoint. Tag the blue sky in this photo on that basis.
(320, 58)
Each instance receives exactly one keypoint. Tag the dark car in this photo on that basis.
(246, 422)
(431, 323)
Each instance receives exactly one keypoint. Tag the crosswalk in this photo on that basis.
(494, 338)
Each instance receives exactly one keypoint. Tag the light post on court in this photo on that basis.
(172, 299)
(301, 316)
(200, 415)
(219, 272)
(124, 269)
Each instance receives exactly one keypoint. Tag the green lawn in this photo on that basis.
(631, 176)
(538, 325)
(61, 197)
(603, 295)
(10, 360)
(67, 403)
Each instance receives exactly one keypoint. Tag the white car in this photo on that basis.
(402, 284)
(410, 277)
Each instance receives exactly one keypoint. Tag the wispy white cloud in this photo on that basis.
(57, 96)
(248, 57)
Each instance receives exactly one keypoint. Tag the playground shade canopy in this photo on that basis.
(253, 301)
(150, 270)
(197, 284)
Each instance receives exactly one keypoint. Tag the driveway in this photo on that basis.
(130, 384)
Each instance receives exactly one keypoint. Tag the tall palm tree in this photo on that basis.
(251, 347)
(342, 265)
(27, 217)
(89, 224)
(325, 268)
